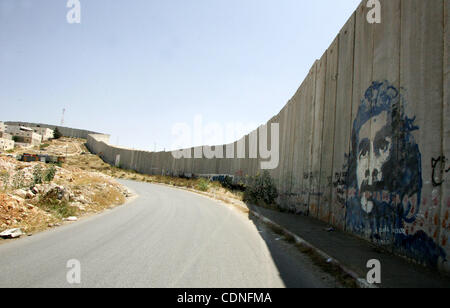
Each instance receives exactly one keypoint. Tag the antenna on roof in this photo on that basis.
(62, 118)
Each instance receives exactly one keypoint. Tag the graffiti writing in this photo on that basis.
(442, 160)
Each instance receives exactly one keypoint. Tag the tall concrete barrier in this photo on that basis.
(364, 143)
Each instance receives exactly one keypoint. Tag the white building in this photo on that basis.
(28, 137)
(22, 134)
(4, 135)
(2, 127)
(46, 133)
(6, 144)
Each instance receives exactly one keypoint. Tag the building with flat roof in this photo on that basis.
(28, 137)
(46, 133)
(6, 144)
(2, 127)
(22, 134)
(4, 135)
(13, 129)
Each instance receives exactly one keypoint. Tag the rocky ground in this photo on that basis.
(35, 196)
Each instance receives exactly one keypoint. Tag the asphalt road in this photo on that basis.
(164, 238)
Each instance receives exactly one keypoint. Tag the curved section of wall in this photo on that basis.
(364, 142)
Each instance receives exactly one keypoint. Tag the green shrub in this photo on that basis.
(227, 182)
(203, 184)
(44, 146)
(4, 177)
(60, 208)
(19, 180)
(261, 190)
(37, 174)
(49, 174)
(56, 133)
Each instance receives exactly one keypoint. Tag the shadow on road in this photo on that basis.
(296, 269)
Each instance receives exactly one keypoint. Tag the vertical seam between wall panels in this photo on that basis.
(290, 173)
(313, 136)
(321, 137)
(400, 64)
(351, 116)
(442, 121)
(311, 150)
(330, 189)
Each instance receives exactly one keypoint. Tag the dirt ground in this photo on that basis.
(35, 196)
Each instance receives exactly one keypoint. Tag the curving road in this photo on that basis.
(164, 238)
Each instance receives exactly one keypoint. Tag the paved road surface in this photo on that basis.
(164, 238)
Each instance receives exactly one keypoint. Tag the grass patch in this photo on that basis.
(107, 198)
(202, 185)
(60, 209)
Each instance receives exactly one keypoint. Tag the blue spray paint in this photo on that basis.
(386, 195)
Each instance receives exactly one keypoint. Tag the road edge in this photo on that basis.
(360, 281)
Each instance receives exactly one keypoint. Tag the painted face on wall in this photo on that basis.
(384, 175)
(373, 151)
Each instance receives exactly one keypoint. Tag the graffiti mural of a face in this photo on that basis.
(373, 151)
(385, 175)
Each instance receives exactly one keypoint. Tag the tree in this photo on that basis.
(56, 133)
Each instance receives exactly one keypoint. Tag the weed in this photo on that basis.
(4, 177)
(203, 184)
(19, 180)
(37, 174)
(261, 190)
(61, 209)
(49, 174)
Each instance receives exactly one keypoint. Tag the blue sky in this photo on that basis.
(133, 69)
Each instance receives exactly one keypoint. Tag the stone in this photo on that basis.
(21, 193)
(12, 233)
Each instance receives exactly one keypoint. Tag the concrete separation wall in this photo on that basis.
(364, 142)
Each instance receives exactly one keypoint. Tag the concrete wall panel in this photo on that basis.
(421, 87)
(343, 121)
(326, 173)
(296, 180)
(356, 220)
(284, 148)
(310, 94)
(445, 205)
(319, 104)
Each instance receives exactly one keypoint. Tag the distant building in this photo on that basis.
(4, 135)
(13, 129)
(27, 137)
(22, 134)
(6, 144)
(2, 127)
(46, 133)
